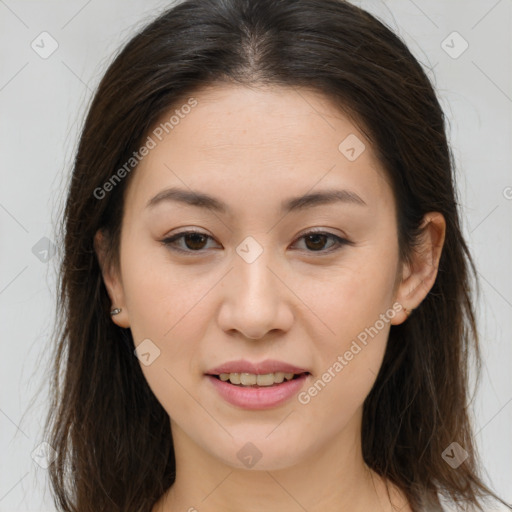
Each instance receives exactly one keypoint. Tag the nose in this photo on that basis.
(255, 298)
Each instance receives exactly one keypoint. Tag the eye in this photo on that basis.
(316, 240)
(195, 241)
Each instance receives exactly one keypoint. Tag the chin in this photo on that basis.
(260, 451)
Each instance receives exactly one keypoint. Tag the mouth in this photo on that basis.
(253, 380)
(257, 385)
(258, 391)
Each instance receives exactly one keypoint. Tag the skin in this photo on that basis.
(297, 302)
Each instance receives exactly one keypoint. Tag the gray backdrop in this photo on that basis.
(52, 57)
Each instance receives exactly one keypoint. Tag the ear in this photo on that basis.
(419, 275)
(112, 280)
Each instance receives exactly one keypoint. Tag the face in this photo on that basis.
(308, 283)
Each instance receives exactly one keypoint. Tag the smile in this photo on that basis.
(254, 396)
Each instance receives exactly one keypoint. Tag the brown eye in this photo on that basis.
(193, 241)
(316, 241)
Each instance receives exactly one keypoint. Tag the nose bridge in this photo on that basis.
(255, 283)
(255, 302)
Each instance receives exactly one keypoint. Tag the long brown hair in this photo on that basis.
(111, 435)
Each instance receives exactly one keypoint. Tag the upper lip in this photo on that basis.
(261, 368)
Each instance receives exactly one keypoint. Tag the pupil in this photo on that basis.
(194, 236)
(316, 237)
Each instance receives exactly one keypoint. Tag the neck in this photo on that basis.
(331, 477)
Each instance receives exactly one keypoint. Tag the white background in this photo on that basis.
(42, 104)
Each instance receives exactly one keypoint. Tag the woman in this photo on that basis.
(262, 195)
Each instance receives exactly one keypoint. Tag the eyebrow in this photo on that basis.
(201, 200)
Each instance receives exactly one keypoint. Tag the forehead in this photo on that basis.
(231, 118)
(266, 142)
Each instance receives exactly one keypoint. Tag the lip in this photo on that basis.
(261, 368)
(258, 398)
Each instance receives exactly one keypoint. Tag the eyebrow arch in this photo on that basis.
(206, 201)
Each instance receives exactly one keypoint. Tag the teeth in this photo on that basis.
(248, 379)
(251, 379)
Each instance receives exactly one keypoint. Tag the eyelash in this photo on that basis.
(339, 242)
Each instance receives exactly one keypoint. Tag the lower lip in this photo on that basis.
(258, 398)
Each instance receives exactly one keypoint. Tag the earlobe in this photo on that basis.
(419, 274)
(112, 281)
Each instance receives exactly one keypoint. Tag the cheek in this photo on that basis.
(160, 297)
(354, 297)
(349, 364)
(169, 314)
(356, 305)
(165, 307)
